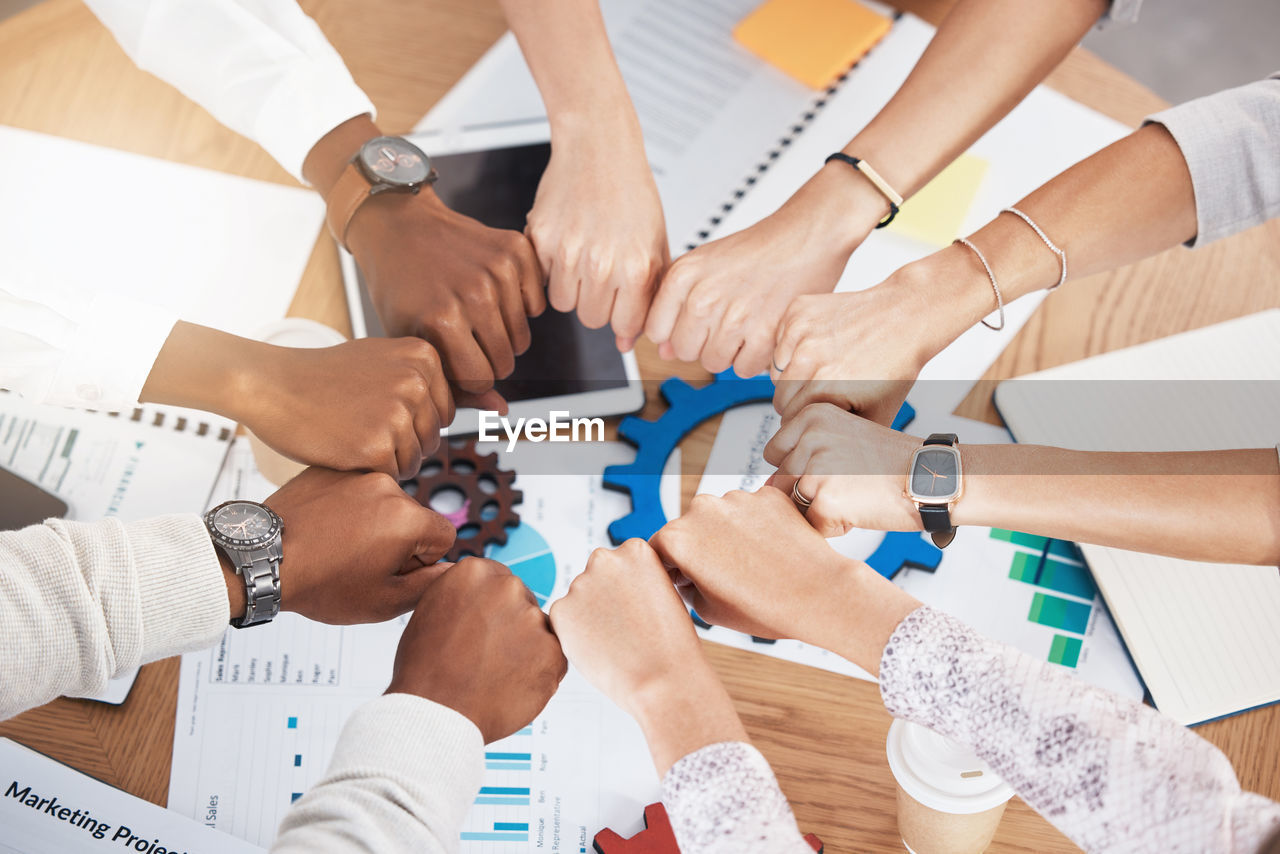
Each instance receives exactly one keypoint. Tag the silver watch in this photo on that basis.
(249, 534)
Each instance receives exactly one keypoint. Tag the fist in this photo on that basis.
(750, 561)
(623, 625)
(375, 404)
(479, 644)
(357, 549)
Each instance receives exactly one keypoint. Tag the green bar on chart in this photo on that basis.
(1065, 614)
(1052, 575)
(1061, 548)
(1065, 650)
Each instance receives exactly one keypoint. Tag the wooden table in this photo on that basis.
(61, 73)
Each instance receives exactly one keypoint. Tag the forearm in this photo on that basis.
(402, 778)
(568, 52)
(207, 369)
(81, 603)
(1108, 772)
(1221, 506)
(683, 711)
(986, 56)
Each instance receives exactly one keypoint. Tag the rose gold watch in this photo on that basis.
(384, 164)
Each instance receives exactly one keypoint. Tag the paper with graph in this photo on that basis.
(1204, 636)
(290, 687)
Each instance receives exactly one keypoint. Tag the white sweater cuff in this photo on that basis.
(405, 772)
(180, 584)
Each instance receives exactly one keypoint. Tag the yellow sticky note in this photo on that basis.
(934, 215)
(812, 40)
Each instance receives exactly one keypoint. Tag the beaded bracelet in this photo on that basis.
(1062, 256)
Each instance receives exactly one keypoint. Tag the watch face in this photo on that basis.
(935, 475)
(394, 161)
(243, 524)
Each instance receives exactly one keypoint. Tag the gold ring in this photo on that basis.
(797, 497)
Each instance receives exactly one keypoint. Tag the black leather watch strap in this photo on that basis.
(936, 518)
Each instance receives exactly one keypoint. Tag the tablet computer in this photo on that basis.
(22, 503)
(492, 175)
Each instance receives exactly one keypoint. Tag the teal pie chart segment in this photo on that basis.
(528, 556)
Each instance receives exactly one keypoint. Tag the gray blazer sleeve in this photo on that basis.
(1231, 142)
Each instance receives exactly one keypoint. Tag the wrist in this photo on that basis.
(330, 155)
(1020, 260)
(871, 609)
(843, 204)
(948, 292)
(684, 712)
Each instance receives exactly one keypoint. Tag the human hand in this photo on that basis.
(622, 624)
(720, 303)
(750, 562)
(852, 470)
(373, 403)
(444, 277)
(357, 548)
(862, 351)
(479, 644)
(598, 229)
(625, 629)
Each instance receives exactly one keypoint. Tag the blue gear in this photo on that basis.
(687, 407)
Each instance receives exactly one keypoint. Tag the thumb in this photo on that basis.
(490, 400)
(432, 538)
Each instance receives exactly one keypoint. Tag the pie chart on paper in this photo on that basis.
(528, 556)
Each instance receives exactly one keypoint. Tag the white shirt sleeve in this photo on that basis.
(62, 350)
(82, 603)
(403, 775)
(261, 67)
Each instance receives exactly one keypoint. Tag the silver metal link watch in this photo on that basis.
(250, 535)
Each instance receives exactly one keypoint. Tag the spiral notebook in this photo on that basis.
(1204, 636)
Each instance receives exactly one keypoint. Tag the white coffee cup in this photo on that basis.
(289, 332)
(949, 801)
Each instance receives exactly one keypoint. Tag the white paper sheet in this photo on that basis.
(295, 682)
(220, 250)
(89, 815)
(1205, 636)
(1055, 615)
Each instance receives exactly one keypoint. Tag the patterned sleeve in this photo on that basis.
(1110, 773)
(724, 799)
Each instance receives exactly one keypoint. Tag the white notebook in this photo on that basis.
(1205, 637)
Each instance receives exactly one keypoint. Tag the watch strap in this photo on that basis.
(343, 200)
(260, 570)
(936, 518)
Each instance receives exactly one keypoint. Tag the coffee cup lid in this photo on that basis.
(299, 332)
(942, 773)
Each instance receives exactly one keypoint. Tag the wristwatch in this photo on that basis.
(249, 534)
(935, 481)
(384, 164)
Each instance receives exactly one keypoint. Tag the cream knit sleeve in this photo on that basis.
(81, 603)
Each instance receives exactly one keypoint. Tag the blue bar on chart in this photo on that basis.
(526, 731)
(508, 761)
(513, 796)
(293, 723)
(503, 831)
